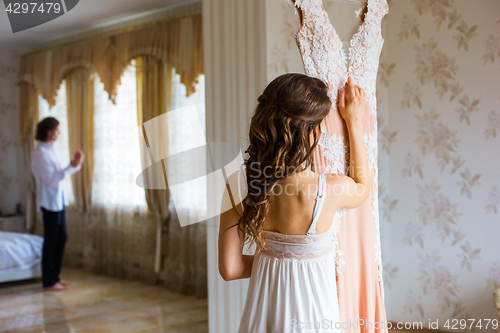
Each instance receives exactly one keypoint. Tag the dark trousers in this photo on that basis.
(54, 225)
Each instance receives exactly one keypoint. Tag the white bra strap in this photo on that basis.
(320, 198)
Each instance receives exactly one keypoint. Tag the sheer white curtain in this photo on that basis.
(193, 200)
(116, 146)
(120, 233)
(185, 264)
(61, 145)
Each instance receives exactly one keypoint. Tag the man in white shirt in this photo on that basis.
(51, 199)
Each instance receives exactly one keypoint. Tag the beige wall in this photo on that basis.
(12, 182)
(442, 68)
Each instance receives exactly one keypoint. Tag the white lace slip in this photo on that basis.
(303, 247)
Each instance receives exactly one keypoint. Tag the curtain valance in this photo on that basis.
(178, 43)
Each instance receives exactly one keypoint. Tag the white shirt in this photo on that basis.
(46, 168)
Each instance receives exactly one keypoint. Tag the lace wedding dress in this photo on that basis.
(290, 287)
(358, 257)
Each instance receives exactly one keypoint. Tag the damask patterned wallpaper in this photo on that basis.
(11, 163)
(438, 92)
(442, 70)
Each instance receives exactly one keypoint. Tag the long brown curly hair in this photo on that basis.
(284, 131)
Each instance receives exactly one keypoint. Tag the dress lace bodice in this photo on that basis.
(323, 56)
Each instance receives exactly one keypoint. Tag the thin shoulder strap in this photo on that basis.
(320, 198)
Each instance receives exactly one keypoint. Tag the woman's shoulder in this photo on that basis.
(336, 182)
(335, 178)
(343, 191)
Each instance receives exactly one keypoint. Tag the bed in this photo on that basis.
(20, 256)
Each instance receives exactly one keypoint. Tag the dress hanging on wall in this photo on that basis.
(358, 258)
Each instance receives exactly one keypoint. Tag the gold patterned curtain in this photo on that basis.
(80, 104)
(178, 43)
(153, 99)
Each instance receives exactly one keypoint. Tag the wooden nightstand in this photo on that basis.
(13, 223)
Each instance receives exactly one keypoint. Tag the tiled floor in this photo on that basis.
(99, 304)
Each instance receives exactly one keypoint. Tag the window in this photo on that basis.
(196, 198)
(117, 160)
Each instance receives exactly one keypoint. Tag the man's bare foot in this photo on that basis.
(57, 287)
(65, 283)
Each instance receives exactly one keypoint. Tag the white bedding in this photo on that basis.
(19, 251)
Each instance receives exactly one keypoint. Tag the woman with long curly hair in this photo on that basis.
(289, 212)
